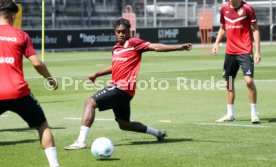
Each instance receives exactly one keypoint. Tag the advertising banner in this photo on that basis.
(103, 38)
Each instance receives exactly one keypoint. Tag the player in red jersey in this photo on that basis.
(126, 60)
(15, 94)
(237, 20)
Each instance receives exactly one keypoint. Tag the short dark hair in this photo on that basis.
(8, 7)
(122, 21)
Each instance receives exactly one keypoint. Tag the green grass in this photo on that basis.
(193, 138)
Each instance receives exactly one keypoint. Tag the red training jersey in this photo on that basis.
(126, 62)
(14, 43)
(238, 25)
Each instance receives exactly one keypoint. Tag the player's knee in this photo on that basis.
(249, 82)
(123, 125)
(43, 128)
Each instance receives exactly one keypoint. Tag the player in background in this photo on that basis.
(15, 94)
(237, 19)
(126, 60)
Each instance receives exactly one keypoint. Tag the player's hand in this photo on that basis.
(53, 82)
(187, 46)
(92, 78)
(215, 49)
(257, 58)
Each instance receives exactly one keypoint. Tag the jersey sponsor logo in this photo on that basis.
(233, 26)
(6, 60)
(119, 59)
(9, 39)
(123, 50)
(235, 20)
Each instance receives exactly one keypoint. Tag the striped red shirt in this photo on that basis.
(238, 26)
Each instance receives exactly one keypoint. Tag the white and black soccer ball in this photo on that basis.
(102, 147)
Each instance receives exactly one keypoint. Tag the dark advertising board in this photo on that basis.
(70, 39)
(170, 35)
(105, 38)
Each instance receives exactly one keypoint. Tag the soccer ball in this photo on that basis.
(102, 148)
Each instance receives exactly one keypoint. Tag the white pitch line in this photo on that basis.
(141, 73)
(182, 70)
(71, 118)
(234, 125)
(105, 119)
(265, 80)
(5, 115)
(165, 121)
(102, 119)
(99, 119)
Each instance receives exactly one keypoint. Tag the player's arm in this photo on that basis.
(159, 47)
(220, 36)
(105, 71)
(42, 70)
(257, 38)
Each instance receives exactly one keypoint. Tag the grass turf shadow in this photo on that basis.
(8, 143)
(167, 140)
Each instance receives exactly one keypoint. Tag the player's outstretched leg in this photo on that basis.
(141, 128)
(87, 121)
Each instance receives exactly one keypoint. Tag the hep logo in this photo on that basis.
(88, 38)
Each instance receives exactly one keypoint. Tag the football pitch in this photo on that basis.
(181, 92)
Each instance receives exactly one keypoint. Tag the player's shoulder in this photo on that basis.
(20, 33)
(225, 5)
(25, 34)
(247, 6)
(135, 40)
(15, 29)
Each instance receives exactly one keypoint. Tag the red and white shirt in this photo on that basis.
(238, 25)
(126, 62)
(14, 43)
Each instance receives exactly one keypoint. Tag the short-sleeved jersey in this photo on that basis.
(238, 26)
(126, 62)
(14, 43)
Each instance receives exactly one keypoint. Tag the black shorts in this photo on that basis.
(28, 108)
(233, 62)
(116, 99)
